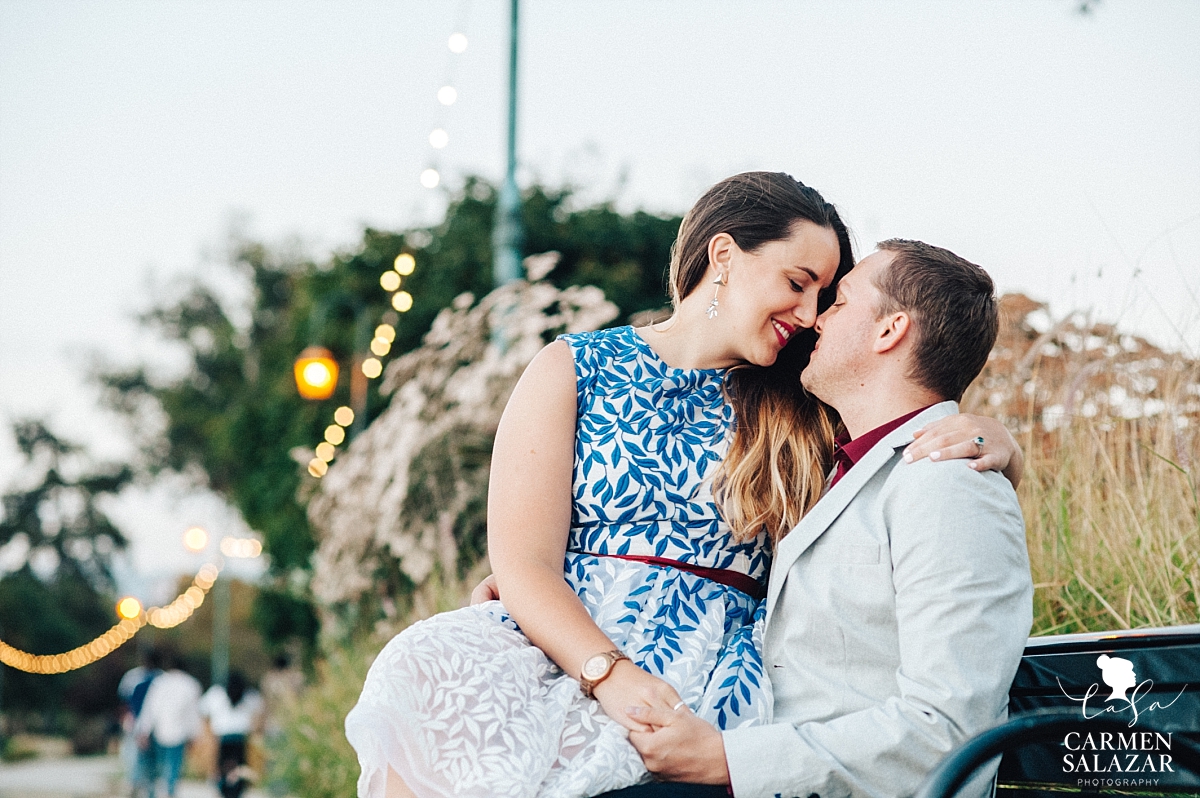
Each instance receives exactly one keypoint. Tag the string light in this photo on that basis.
(195, 539)
(430, 178)
(132, 620)
(447, 95)
(380, 346)
(344, 416)
(335, 434)
(245, 548)
(457, 43)
(438, 138)
(405, 264)
(402, 301)
(372, 367)
(326, 451)
(389, 280)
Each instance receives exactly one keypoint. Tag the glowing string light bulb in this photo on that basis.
(430, 178)
(447, 95)
(405, 263)
(457, 43)
(402, 301)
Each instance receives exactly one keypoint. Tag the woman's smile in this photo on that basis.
(783, 331)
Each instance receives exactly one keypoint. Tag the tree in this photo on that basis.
(234, 417)
(59, 594)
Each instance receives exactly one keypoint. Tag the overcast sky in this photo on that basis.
(1059, 151)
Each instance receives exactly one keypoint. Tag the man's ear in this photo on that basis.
(720, 253)
(891, 331)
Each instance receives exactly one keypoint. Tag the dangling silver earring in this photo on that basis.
(712, 306)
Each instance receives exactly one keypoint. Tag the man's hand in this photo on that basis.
(680, 747)
(487, 590)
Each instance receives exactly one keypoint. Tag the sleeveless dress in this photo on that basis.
(463, 703)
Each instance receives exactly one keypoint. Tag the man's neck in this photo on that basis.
(866, 410)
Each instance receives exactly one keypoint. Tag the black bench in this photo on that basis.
(1100, 713)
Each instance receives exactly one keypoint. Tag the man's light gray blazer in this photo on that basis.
(897, 612)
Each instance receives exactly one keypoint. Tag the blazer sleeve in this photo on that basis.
(963, 597)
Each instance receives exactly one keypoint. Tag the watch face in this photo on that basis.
(595, 667)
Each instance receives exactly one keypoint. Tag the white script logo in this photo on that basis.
(1118, 674)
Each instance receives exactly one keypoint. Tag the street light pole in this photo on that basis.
(506, 232)
(220, 641)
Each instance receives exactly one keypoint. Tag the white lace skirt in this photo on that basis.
(464, 705)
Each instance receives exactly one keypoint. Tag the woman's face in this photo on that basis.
(772, 292)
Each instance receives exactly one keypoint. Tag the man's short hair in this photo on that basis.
(953, 308)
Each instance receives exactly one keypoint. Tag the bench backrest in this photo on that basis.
(1149, 679)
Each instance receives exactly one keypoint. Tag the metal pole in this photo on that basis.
(220, 643)
(506, 233)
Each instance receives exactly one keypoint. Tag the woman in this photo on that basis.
(233, 713)
(606, 459)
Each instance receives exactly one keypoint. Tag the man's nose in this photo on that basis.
(819, 323)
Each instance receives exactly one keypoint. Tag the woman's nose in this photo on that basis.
(806, 310)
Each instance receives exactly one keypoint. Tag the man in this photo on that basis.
(898, 608)
(170, 717)
(139, 763)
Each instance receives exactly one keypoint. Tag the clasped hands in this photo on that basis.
(674, 743)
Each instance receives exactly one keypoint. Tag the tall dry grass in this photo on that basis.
(1113, 525)
(1110, 425)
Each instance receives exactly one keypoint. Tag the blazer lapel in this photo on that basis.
(831, 505)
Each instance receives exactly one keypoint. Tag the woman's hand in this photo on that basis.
(953, 438)
(630, 686)
(487, 590)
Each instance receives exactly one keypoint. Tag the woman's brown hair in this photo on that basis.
(782, 442)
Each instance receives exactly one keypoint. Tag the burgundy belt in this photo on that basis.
(734, 579)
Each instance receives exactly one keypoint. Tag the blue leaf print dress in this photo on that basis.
(463, 703)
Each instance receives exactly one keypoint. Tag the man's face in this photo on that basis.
(840, 363)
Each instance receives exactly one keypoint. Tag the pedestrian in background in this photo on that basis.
(132, 689)
(170, 717)
(233, 713)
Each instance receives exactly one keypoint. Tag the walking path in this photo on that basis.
(84, 777)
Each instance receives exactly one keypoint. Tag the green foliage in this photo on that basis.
(57, 521)
(312, 755)
(61, 595)
(234, 416)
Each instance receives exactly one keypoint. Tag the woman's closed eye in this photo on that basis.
(799, 289)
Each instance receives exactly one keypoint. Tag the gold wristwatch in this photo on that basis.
(598, 668)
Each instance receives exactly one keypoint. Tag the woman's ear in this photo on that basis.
(720, 254)
(891, 331)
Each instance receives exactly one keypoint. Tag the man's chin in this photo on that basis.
(810, 382)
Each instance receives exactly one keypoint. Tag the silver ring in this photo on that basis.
(677, 706)
(978, 441)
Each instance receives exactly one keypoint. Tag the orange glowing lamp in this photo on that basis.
(316, 373)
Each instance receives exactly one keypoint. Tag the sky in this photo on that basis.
(1060, 151)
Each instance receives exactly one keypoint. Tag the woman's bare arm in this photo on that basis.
(529, 518)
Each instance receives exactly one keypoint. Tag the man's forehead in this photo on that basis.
(868, 268)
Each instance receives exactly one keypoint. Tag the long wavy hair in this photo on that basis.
(782, 444)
